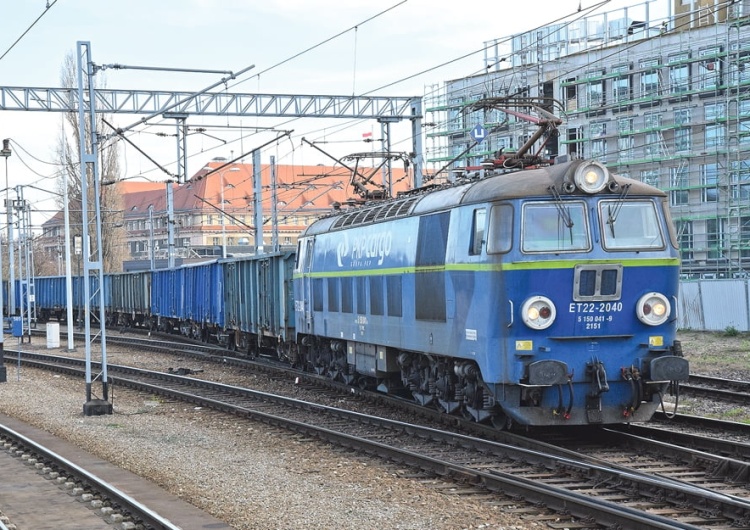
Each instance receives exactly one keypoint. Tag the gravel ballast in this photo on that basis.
(248, 474)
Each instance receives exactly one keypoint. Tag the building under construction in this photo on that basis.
(659, 92)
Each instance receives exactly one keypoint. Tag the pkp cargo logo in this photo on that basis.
(365, 250)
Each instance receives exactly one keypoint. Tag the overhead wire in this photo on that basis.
(46, 10)
(303, 52)
(355, 28)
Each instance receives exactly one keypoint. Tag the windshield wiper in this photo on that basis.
(612, 213)
(563, 211)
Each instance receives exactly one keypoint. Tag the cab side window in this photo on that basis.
(500, 236)
(477, 231)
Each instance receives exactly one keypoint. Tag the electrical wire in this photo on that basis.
(46, 10)
(321, 43)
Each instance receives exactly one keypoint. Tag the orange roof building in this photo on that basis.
(303, 194)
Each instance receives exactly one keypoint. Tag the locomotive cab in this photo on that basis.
(597, 343)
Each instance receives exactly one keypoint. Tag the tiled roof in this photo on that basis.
(298, 188)
(314, 187)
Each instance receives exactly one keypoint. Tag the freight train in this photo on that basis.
(545, 297)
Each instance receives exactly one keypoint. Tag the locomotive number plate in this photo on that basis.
(594, 315)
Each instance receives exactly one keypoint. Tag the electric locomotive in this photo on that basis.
(541, 297)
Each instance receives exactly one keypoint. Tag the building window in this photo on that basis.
(591, 94)
(569, 95)
(739, 63)
(598, 129)
(685, 238)
(456, 115)
(715, 111)
(714, 238)
(710, 182)
(715, 135)
(625, 146)
(743, 129)
(745, 237)
(682, 139)
(678, 181)
(621, 89)
(599, 149)
(682, 116)
(739, 171)
(651, 177)
(649, 78)
(679, 73)
(575, 145)
(652, 120)
(625, 125)
(709, 69)
(652, 144)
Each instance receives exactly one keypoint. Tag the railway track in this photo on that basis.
(94, 494)
(692, 495)
(699, 386)
(716, 388)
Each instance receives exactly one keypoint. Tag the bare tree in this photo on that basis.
(113, 232)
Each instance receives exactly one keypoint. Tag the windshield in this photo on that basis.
(551, 227)
(631, 225)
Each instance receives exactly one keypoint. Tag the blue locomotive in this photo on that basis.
(542, 297)
(538, 297)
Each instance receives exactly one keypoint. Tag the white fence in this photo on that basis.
(714, 305)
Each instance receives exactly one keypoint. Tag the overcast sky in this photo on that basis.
(354, 47)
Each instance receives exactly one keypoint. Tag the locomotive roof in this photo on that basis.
(531, 183)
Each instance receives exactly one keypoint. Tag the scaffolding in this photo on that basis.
(659, 92)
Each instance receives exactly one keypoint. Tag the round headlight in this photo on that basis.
(653, 309)
(591, 177)
(538, 312)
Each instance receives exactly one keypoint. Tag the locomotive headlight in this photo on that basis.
(653, 309)
(591, 177)
(538, 312)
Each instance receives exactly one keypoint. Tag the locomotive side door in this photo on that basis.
(306, 264)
